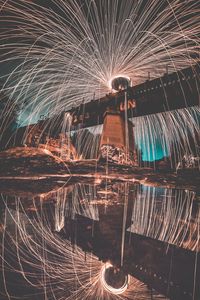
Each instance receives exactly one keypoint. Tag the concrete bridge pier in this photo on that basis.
(117, 141)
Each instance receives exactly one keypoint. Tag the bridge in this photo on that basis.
(114, 111)
(172, 91)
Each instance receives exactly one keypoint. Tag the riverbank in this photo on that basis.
(31, 166)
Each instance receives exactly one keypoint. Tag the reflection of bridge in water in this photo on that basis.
(152, 233)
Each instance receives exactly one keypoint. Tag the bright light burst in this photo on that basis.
(71, 49)
(115, 291)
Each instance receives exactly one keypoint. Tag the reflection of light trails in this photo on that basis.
(80, 203)
(51, 264)
(170, 218)
(116, 291)
(173, 217)
(60, 208)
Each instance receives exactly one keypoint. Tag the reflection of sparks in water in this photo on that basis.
(81, 203)
(108, 287)
(52, 265)
(61, 270)
(170, 218)
(173, 217)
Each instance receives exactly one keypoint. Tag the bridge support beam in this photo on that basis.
(117, 141)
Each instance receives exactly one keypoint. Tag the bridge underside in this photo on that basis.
(115, 141)
(172, 91)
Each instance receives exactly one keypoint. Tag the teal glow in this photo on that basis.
(155, 151)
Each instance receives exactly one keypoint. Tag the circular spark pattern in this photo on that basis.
(50, 265)
(114, 290)
(71, 49)
(120, 82)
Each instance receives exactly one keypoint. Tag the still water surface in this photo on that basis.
(100, 239)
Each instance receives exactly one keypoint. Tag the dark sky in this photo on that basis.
(51, 5)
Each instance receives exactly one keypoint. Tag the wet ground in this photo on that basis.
(26, 164)
(102, 237)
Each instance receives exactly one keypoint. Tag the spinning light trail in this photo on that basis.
(70, 50)
(52, 266)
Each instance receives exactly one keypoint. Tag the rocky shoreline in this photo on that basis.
(33, 166)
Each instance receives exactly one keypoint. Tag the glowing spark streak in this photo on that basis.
(109, 288)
